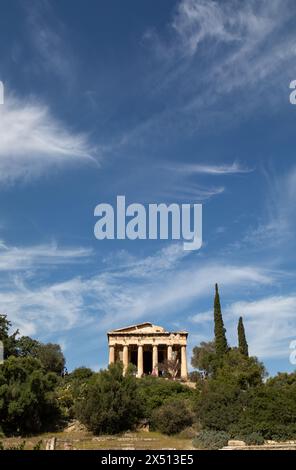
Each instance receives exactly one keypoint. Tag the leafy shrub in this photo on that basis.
(253, 439)
(219, 405)
(72, 389)
(281, 432)
(172, 417)
(270, 411)
(110, 403)
(209, 439)
(154, 392)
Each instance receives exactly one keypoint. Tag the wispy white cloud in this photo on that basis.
(211, 51)
(231, 21)
(211, 169)
(195, 21)
(155, 287)
(202, 317)
(14, 258)
(192, 192)
(243, 29)
(184, 189)
(277, 226)
(33, 141)
(165, 259)
(51, 308)
(48, 39)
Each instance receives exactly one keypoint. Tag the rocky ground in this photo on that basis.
(76, 437)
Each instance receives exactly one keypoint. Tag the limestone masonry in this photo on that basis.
(146, 345)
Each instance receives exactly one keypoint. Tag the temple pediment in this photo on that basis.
(146, 327)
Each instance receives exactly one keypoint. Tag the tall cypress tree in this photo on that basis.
(220, 336)
(242, 342)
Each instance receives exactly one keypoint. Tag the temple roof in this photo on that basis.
(144, 328)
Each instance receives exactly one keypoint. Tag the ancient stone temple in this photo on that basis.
(146, 346)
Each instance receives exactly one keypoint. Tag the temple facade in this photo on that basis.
(146, 346)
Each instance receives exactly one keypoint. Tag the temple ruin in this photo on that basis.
(146, 346)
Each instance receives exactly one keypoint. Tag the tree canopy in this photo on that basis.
(242, 342)
(219, 330)
(28, 402)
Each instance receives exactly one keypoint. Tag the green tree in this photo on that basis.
(169, 368)
(111, 403)
(219, 404)
(49, 354)
(28, 401)
(79, 375)
(223, 398)
(242, 342)
(220, 331)
(27, 346)
(282, 379)
(270, 411)
(243, 371)
(51, 357)
(204, 357)
(9, 341)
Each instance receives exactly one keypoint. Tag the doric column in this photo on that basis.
(155, 359)
(111, 355)
(170, 352)
(125, 358)
(184, 373)
(140, 361)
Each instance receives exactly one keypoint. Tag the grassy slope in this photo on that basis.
(85, 440)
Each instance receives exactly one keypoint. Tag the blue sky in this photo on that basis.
(184, 101)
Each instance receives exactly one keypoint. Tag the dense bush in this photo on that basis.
(267, 409)
(219, 405)
(72, 389)
(172, 417)
(209, 439)
(270, 411)
(253, 439)
(154, 392)
(224, 400)
(111, 402)
(28, 401)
